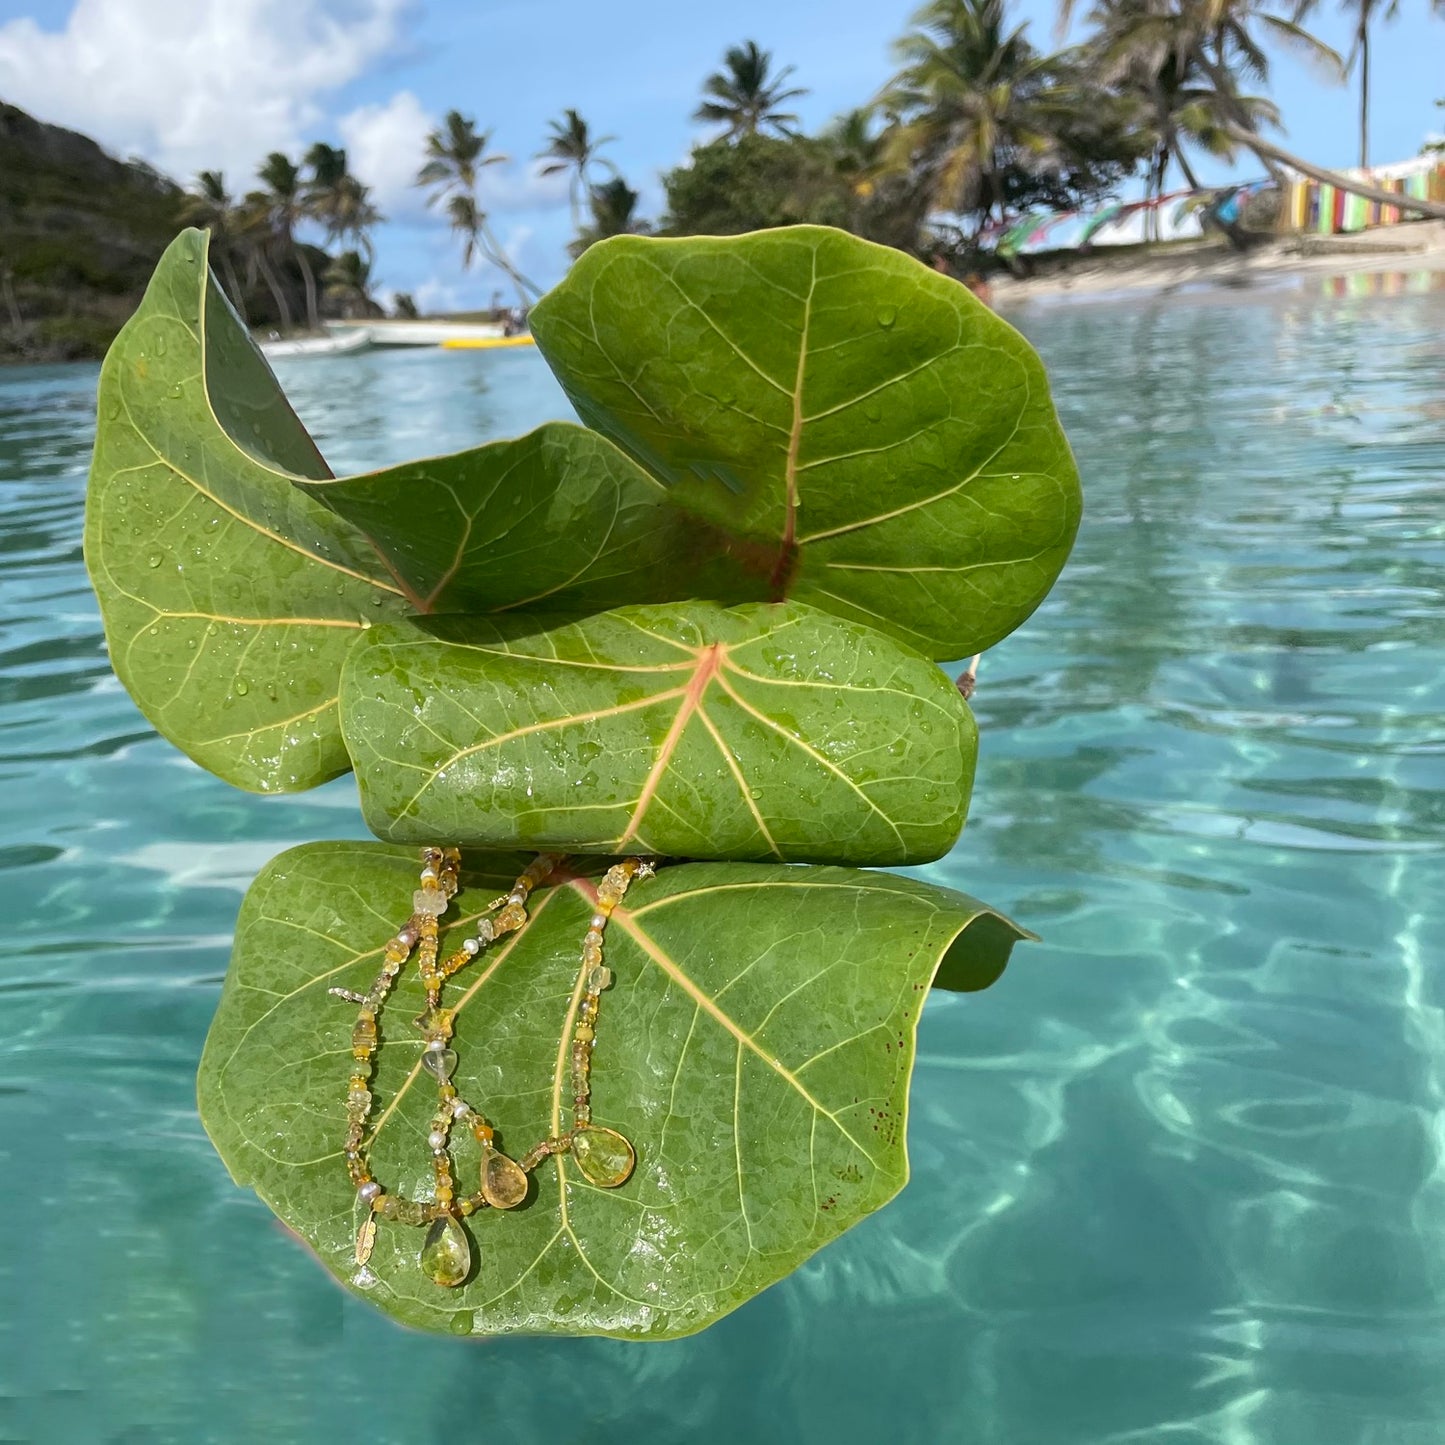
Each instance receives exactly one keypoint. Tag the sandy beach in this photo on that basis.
(1419, 246)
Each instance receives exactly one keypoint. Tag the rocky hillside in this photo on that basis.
(79, 234)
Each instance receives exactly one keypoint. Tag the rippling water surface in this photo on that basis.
(1176, 1178)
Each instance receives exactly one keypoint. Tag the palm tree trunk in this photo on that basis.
(1364, 41)
(7, 291)
(238, 297)
(308, 280)
(273, 285)
(1190, 179)
(1237, 127)
(500, 260)
(1269, 152)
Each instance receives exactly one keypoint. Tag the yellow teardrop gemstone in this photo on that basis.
(504, 1185)
(603, 1155)
(446, 1256)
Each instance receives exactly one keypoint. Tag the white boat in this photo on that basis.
(430, 333)
(339, 343)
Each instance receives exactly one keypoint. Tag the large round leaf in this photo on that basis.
(756, 1049)
(229, 598)
(889, 439)
(761, 731)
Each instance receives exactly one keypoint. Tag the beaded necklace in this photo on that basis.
(604, 1157)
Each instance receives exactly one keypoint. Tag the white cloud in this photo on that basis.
(384, 145)
(201, 84)
(503, 189)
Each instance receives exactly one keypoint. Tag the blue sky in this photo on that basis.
(242, 77)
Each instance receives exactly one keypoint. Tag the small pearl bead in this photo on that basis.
(471, 946)
(437, 1140)
(599, 921)
(408, 937)
(460, 1108)
(435, 1046)
(369, 1190)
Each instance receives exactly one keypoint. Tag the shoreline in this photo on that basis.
(1213, 264)
(1192, 268)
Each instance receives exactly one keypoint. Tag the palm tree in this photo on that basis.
(1142, 51)
(966, 100)
(858, 156)
(1220, 36)
(286, 202)
(403, 305)
(339, 201)
(571, 147)
(348, 280)
(745, 98)
(467, 222)
(353, 215)
(856, 149)
(614, 206)
(456, 154)
(1366, 13)
(211, 207)
(1214, 44)
(256, 241)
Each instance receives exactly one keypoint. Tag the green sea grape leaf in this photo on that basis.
(233, 571)
(758, 732)
(229, 598)
(756, 1048)
(878, 430)
(559, 518)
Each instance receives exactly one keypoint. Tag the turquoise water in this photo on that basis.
(1176, 1178)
